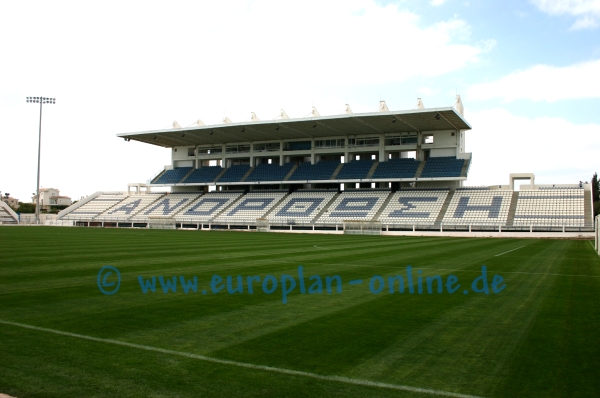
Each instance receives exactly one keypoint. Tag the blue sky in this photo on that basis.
(528, 73)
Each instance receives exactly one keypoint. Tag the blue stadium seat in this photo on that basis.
(173, 176)
(320, 171)
(355, 170)
(235, 173)
(203, 174)
(444, 166)
(270, 172)
(397, 168)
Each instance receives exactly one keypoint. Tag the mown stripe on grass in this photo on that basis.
(340, 379)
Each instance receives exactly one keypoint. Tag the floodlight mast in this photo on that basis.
(41, 101)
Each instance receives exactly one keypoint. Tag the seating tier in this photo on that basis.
(354, 205)
(416, 207)
(550, 207)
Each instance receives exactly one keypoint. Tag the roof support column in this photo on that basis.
(312, 151)
(381, 147)
(347, 140)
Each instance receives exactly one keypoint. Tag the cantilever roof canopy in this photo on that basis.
(311, 127)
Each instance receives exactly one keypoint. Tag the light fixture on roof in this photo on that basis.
(154, 137)
(277, 127)
(383, 107)
(243, 129)
(314, 125)
(182, 135)
(393, 120)
(437, 116)
(211, 133)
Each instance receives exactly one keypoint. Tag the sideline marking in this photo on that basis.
(593, 247)
(340, 379)
(509, 251)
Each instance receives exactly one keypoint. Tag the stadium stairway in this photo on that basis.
(291, 172)
(372, 171)
(153, 181)
(247, 174)
(512, 209)
(129, 200)
(337, 171)
(220, 174)
(325, 206)
(231, 206)
(187, 175)
(276, 204)
(383, 206)
(143, 209)
(420, 170)
(7, 215)
(187, 205)
(233, 173)
(438, 220)
(110, 208)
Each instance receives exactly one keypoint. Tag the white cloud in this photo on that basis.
(544, 83)
(586, 22)
(586, 11)
(436, 3)
(554, 149)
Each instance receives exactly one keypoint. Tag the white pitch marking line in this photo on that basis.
(340, 379)
(593, 247)
(509, 251)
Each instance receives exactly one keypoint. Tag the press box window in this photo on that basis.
(408, 138)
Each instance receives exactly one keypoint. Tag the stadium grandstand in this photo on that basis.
(403, 171)
(7, 215)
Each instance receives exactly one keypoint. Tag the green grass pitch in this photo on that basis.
(539, 337)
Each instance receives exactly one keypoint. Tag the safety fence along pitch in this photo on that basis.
(352, 227)
(161, 223)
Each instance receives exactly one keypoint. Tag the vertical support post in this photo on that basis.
(597, 233)
(37, 206)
